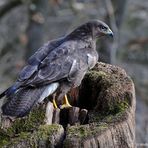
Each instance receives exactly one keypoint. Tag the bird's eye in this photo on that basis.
(102, 27)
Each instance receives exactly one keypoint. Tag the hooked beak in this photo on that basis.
(110, 33)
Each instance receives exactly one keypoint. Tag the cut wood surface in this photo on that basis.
(103, 116)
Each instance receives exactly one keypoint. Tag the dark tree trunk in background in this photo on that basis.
(39, 12)
(119, 8)
(114, 17)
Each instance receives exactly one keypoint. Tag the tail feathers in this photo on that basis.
(20, 104)
(10, 91)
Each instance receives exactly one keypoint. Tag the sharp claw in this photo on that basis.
(66, 104)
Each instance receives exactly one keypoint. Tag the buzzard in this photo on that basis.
(54, 69)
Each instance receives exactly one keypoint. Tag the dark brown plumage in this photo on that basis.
(56, 67)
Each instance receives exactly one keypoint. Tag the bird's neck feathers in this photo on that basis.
(83, 32)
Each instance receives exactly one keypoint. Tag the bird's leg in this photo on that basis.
(66, 103)
(54, 102)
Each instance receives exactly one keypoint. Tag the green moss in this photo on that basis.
(43, 134)
(7, 141)
(118, 107)
(93, 75)
(22, 126)
(4, 138)
(31, 122)
(24, 135)
(114, 113)
(100, 79)
(3, 142)
(84, 131)
(112, 110)
(45, 131)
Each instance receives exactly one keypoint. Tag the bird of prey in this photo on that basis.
(54, 69)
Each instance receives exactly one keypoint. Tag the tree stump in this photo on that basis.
(103, 116)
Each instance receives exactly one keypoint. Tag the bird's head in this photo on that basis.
(93, 29)
(100, 29)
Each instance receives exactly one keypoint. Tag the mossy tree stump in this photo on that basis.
(109, 95)
(104, 116)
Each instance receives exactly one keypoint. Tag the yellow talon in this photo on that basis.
(54, 103)
(66, 103)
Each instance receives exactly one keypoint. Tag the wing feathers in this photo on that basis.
(27, 72)
(56, 63)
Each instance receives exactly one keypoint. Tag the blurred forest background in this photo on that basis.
(26, 24)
